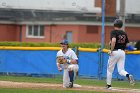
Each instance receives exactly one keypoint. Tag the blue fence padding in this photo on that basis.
(88, 63)
(44, 62)
(18, 61)
(105, 60)
(133, 65)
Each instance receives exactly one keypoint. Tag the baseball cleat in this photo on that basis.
(131, 80)
(108, 87)
(76, 86)
(70, 84)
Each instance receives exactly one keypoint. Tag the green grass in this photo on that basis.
(31, 79)
(12, 90)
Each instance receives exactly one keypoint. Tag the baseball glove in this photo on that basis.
(61, 60)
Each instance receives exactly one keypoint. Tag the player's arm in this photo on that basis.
(58, 65)
(127, 41)
(74, 59)
(112, 45)
(113, 42)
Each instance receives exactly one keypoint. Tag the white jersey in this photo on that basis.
(70, 54)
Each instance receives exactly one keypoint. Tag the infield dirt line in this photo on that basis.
(11, 84)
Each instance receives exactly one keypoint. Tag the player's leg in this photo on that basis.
(73, 68)
(71, 76)
(121, 70)
(66, 78)
(110, 68)
(121, 63)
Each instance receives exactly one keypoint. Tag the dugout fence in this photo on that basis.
(42, 61)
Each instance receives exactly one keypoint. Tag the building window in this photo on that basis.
(35, 31)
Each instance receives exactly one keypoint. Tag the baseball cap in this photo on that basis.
(65, 42)
(118, 23)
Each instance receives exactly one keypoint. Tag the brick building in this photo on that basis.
(28, 25)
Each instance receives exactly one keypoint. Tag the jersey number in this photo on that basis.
(121, 38)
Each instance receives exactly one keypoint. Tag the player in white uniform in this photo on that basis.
(71, 67)
(118, 44)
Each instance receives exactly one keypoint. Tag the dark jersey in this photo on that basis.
(121, 39)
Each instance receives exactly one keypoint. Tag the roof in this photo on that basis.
(22, 15)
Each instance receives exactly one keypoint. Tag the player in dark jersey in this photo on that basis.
(118, 42)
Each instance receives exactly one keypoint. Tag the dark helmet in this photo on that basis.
(118, 23)
(65, 42)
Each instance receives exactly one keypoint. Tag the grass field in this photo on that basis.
(90, 82)
(8, 90)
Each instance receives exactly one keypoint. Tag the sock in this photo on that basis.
(71, 75)
(127, 75)
(109, 85)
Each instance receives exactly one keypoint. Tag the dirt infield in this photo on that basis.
(10, 84)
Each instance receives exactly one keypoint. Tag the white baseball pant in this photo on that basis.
(119, 58)
(66, 78)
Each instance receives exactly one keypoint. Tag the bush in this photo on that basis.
(31, 44)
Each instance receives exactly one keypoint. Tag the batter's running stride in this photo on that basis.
(118, 44)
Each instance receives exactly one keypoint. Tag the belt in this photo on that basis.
(117, 49)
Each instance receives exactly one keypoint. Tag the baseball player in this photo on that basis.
(70, 66)
(118, 44)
